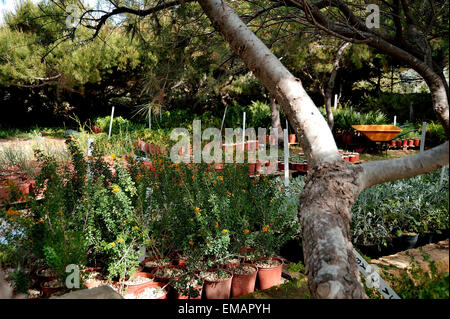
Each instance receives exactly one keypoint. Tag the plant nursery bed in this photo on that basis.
(438, 252)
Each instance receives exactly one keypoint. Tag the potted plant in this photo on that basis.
(244, 279)
(269, 271)
(217, 283)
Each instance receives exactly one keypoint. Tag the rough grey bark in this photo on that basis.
(276, 119)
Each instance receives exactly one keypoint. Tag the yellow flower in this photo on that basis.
(243, 190)
(113, 156)
(41, 221)
(265, 228)
(192, 219)
(217, 225)
(224, 231)
(112, 244)
(246, 231)
(271, 201)
(120, 240)
(191, 242)
(197, 209)
(136, 227)
(115, 188)
(228, 193)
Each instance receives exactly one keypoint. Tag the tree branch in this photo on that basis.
(378, 172)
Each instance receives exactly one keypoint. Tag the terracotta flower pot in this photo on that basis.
(404, 142)
(251, 145)
(410, 142)
(251, 168)
(258, 166)
(356, 156)
(352, 158)
(218, 289)
(292, 166)
(157, 264)
(346, 158)
(272, 140)
(416, 142)
(139, 287)
(393, 143)
(196, 286)
(48, 291)
(243, 284)
(292, 138)
(218, 167)
(155, 285)
(281, 166)
(399, 143)
(269, 277)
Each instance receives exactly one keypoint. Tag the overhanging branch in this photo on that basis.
(378, 172)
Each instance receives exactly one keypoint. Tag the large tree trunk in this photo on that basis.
(331, 81)
(330, 263)
(332, 185)
(276, 119)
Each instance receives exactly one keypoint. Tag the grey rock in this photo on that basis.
(102, 292)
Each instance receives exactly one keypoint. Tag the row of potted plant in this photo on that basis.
(101, 214)
(401, 143)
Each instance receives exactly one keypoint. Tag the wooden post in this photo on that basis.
(111, 122)
(286, 158)
(422, 138)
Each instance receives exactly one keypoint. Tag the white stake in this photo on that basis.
(422, 138)
(243, 135)
(110, 123)
(395, 120)
(160, 115)
(223, 119)
(442, 175)
(150, 118)
(89, 153)
(286, 158)
(335, 102)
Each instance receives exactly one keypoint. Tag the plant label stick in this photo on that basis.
(286, 158)
(373, 278)
(223, 119)
(395, 120)
(110, 122)
(422, 138)
(89, 153)
(335, 102)
(442, 175)
(243, 135)
(150, 118)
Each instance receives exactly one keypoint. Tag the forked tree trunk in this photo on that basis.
(332, 184)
